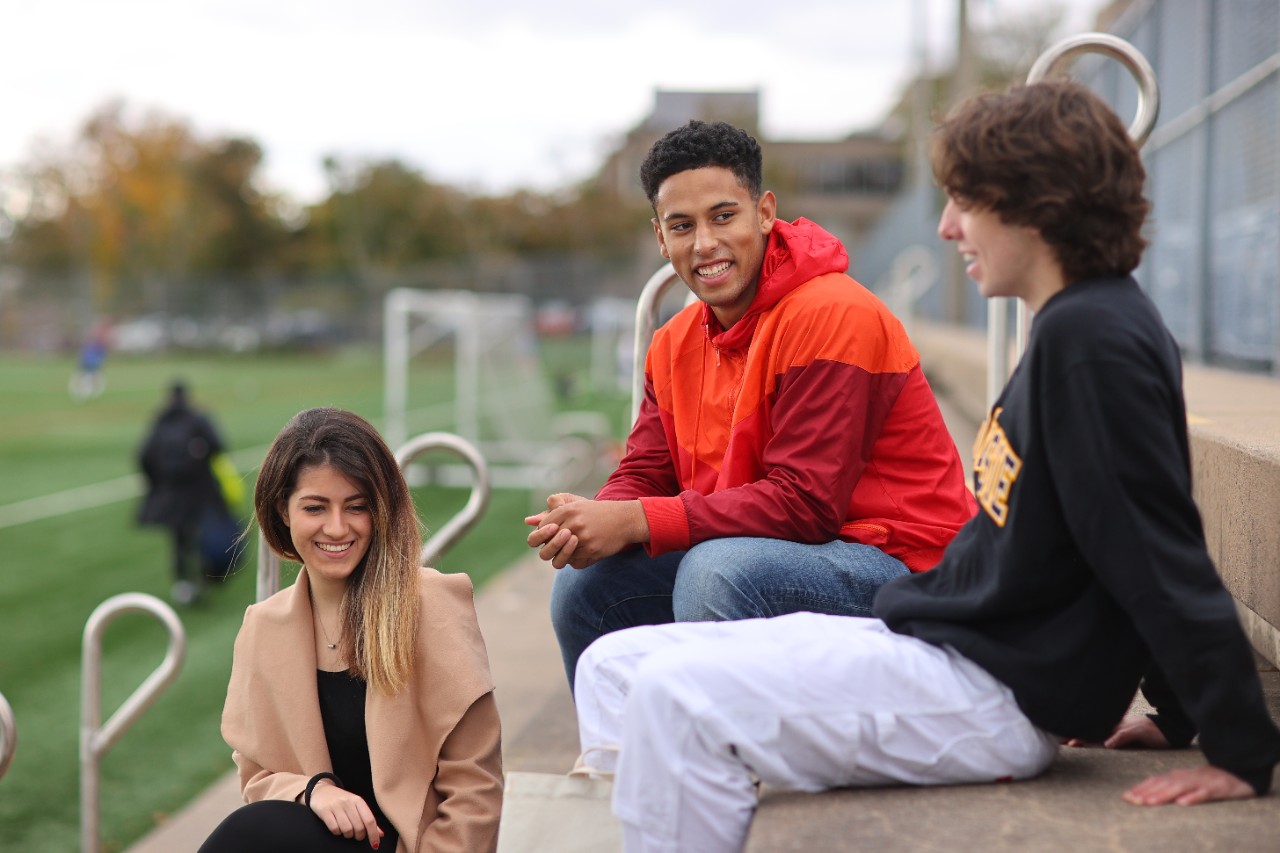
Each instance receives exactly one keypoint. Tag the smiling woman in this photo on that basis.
(329, 684)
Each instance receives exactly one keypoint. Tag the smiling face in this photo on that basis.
(329, 523)
(1004, 259)
(714, 234)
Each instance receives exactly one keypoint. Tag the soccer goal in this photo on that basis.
(468, 362)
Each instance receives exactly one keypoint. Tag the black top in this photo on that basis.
(1085, 567)
(342, 710)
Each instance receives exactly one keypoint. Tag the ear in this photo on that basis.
(662, 243)
(767, 210)
(283, 509)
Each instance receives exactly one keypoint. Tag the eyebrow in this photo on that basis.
(675, 214)
(322, 498)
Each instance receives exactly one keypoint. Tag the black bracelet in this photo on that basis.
(311, 785)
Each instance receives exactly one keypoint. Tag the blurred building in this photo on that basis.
(844, 184)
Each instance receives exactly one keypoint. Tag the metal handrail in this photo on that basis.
(999, 362)
(477, 502)
(648, 308)
(444, 539)
(8, 735)
(1059, 55)
(96, 739)
(911, 275)
(268, 570)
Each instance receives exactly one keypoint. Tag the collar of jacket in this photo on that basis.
(796, 253)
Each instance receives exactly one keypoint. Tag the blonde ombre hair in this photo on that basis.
(379, 611)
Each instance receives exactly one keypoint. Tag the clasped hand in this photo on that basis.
(581, 531)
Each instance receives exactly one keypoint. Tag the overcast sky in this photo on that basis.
(484, 94)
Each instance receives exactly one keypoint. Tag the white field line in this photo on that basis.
(126, 488)
(81, 497)
(98, 494)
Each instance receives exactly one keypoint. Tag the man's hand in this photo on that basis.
(555, 501)
(575, 529)
(1189, 786)
(345, 813)
(1135, 730)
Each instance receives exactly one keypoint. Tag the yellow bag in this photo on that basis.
(224, 471)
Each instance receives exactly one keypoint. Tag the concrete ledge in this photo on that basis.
(1234, 424)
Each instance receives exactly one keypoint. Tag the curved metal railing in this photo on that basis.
(444, 539)
(8, 735)
(999, 361)
(648, 308)
(1058, 56)
(95, 738)
(912, 274)
(477, 502)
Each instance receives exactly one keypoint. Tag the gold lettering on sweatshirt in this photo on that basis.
(995, 468)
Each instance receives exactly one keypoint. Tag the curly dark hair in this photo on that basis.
(699, 144)
(1051, 156)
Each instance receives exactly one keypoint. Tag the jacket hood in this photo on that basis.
(796, 252)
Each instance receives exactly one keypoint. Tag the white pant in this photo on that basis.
(804, 701)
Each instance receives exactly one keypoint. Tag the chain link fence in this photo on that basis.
(1213, 164)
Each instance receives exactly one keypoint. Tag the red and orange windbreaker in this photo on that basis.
(809, 420)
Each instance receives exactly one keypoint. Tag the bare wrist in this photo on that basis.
(640, 524)
(316, 780)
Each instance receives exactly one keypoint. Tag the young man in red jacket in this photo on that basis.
(788, 455)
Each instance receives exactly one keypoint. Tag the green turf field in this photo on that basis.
(55, 570)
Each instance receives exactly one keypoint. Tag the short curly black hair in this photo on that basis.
(700, 144)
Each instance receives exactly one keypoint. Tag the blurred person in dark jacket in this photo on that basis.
(181, 488)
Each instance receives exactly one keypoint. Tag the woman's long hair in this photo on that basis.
(379, 612)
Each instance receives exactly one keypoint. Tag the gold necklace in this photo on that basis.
(329, 643)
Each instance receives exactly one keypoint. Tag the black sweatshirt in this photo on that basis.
(1085, 568)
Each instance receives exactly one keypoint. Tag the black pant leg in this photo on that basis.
(280, 826)
(185, 560)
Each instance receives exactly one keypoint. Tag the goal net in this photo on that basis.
(468, 363)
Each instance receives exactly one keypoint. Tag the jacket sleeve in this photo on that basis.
(257, 783)
(469, 784)
(146, 455)
(1173, 722)
(825, 420)
(1120, 464)
(647, 469)
(241, 714)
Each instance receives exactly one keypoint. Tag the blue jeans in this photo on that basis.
(717, 580)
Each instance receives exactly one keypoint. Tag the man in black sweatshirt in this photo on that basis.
(1083, 576)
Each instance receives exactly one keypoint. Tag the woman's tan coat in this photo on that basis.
(433, 748)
